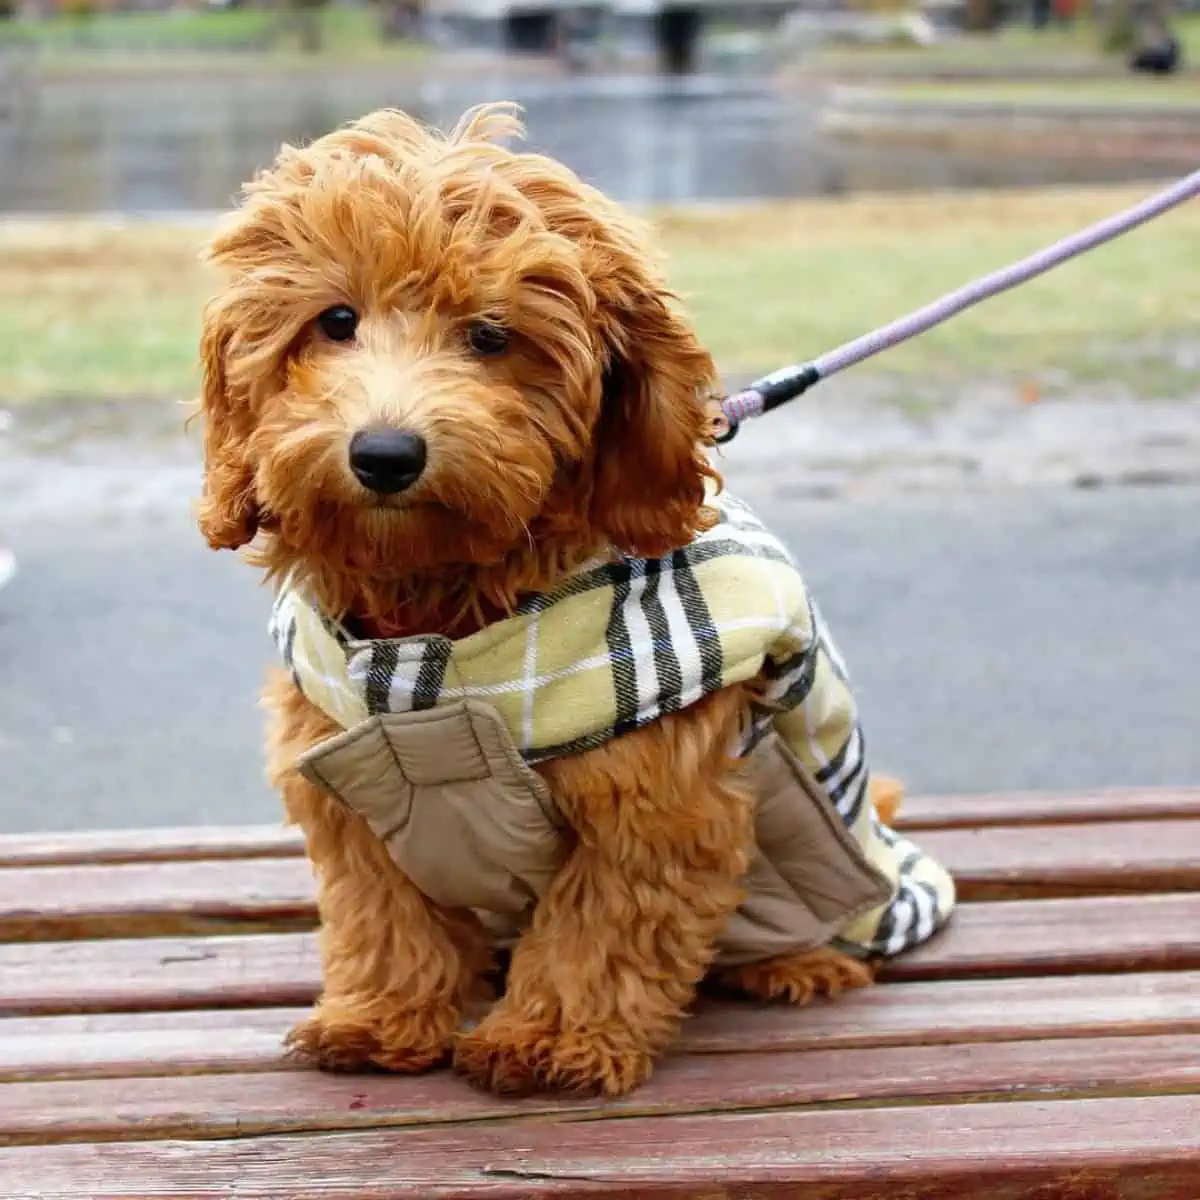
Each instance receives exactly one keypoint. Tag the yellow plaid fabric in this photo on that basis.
(620, 644)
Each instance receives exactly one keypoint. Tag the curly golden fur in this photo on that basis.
(587, 433)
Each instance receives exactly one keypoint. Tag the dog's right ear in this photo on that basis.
(228, 512)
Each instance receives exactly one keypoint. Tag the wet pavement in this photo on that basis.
(155, 145)
(1041, 638)
(1001, 636)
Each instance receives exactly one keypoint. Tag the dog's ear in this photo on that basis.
(227, 513)
(650, 466)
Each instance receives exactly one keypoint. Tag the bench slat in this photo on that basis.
(1010, 863)
(182, 844)
(957, 1010)
(144, 899)
(1019, 937)
(1049, 808)
(994, 1151)
(252, 971)
(96, 1045)
(271, 894)
(228, 1105)
(145, 1052)
(1049, 937)
(975, 1010)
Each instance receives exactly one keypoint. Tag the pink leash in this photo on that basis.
(786, 384)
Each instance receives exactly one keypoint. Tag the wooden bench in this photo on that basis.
(1046, 1045)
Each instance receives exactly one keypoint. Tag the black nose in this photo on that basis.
(387, 460)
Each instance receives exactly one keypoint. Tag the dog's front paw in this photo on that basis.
(511, 1057)
(352, 1034)
(504, 1057)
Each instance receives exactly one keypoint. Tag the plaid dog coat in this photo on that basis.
(440, 736)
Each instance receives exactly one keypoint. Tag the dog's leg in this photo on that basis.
(886, 794)
(626, 930)
(397, 970)
(797, 978)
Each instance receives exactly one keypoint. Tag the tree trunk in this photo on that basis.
(1120, 26)
(981, 16)
(1159, 12)
(303, 18)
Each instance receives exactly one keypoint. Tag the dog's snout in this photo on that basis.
(387, 460)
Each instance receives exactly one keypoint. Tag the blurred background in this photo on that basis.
(1000, 519)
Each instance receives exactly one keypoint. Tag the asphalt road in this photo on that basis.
(1021, 638)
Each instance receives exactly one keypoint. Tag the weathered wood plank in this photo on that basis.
(205, 1020)
(1022, 937)
(1008, 1151)
(1048, 937)
(120, 974)
(100, 846)
(272, 894)
(975, 1010)
(126, 1044)
(143, 899)
(186, 843)
(956, 1010)
(1049, 808)
(247, 1105)
(1010, 863)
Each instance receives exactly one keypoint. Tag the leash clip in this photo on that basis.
(729, 430)
(760, 397)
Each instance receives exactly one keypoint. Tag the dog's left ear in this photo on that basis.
(650, 467)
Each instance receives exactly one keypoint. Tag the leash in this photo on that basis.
(789, 382)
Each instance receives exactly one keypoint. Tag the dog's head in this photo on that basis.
(434, 351)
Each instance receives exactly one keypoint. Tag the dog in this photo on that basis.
(546, 691)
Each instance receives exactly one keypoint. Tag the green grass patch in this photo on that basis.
(795, 281)
(182, 29)
(93, 311)
(1013, 47)
(131, 41)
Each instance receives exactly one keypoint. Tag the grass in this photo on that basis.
(1117, 93)
(129, 30)
(96, 311)
(90, 310)
(791, 281)
(1012, 47)
(129, 42)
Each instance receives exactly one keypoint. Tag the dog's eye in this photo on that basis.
(486, 338)
(338, 323)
